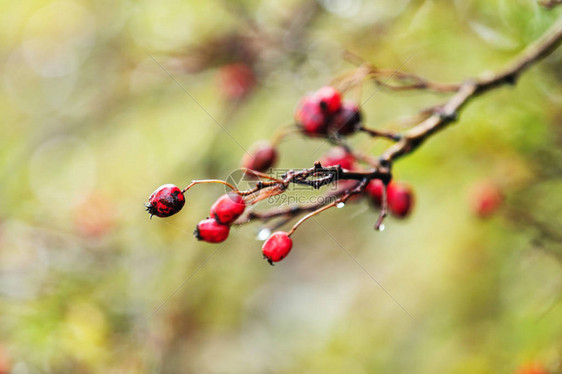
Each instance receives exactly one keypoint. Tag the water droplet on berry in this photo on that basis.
(263, 234)
(381, 227)
(340, 205)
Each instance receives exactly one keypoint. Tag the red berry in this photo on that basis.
(228, 208)
(277, 247)
(375, 190)
(330, 99)
(338, 156)
(532, 368)
(165, 201)
(95, 217)
(347, 120)
(400, 199)
(210, 231)
(236, 80)
(5, 361)
(261, 156)
(311, 117)
(486, 199)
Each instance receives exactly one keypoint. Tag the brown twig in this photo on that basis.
(381, 133)
(204, 181)
(315, 177)
(473, 88)
(404, 81)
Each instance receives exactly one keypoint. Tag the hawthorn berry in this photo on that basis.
(310, 116)
(400, 199)
(210, 231)
(277, 247)
(5, 361)
(330, 99)
(338, 156)
(236, 80)
(532, 368)
(375, 190)
(95, 217)
(348, 120)
(261, 157)
(167, 200)
(324, 113)
(228, 208)
(486, 199)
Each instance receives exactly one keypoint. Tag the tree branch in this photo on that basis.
(473, 88)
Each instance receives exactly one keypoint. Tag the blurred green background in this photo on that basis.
(103, 101)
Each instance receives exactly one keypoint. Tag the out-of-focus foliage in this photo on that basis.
(92, 122)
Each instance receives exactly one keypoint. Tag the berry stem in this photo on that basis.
(203, 181)
(347, 81)
(310, 215)
(358, 189)
(384, 208)
(404, 81)
(260, 174)
(282, 132)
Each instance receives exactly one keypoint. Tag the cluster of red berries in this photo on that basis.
(224, 212)
(400, 196)
(324, 113)
(169, 199)
(321, 113)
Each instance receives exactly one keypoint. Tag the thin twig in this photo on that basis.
(381, 134)
(358, 189)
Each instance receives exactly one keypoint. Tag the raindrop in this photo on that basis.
(381, 227)
(340, 205)
(263, 234)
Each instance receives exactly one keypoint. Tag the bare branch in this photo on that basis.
(472, 88)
